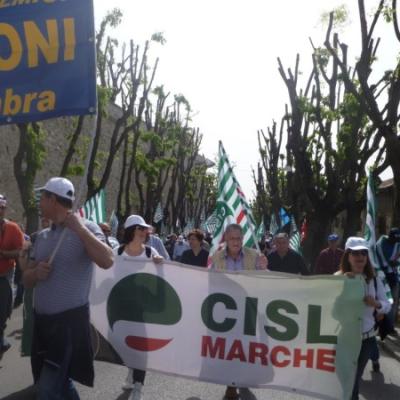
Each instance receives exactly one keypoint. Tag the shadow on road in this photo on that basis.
(28, 393)
(377, 385)
(122, 396)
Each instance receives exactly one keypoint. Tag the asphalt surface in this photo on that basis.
(16, 380)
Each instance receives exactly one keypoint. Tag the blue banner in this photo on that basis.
(47, 59)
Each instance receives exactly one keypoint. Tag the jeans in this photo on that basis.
(367, 348)
(5, 305)
(54, 383)
(374, 352)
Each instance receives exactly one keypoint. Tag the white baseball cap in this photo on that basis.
(356, 243)
(135, 220)
(61, 187)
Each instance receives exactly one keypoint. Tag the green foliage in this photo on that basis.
(113, 18)
(387, 12)
(158, 37)
(340, 17)
(104, 95)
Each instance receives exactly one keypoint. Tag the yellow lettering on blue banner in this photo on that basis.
(38, 42)
(12, 62)
(14, 103)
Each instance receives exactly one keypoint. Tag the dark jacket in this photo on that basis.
(64, 340)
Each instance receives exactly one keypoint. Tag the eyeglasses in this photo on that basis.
(359, 252)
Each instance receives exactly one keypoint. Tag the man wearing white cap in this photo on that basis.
(11, 242)
(61, 345)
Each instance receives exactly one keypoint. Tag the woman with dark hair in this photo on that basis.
(196, 255)
(356, 262)
(133, 246)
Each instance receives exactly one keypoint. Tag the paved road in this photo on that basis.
(15, 379)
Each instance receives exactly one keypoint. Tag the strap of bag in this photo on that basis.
(148, 251)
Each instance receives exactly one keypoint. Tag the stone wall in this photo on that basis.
(56, 145)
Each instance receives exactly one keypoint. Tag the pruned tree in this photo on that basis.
(329, 141)
(379, 100)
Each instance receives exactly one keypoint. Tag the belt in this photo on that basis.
(368, 335)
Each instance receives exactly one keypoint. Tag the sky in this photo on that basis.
(222, 56)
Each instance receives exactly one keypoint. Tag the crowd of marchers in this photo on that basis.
(51, 271)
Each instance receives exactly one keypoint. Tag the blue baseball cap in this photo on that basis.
(333, 237)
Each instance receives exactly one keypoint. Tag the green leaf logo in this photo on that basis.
(144, 298)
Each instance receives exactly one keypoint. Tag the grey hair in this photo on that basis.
(233, 227)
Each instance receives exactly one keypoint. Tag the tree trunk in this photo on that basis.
(27, 162)
(318, 228)
(353, 220)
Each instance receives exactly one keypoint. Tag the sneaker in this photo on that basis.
(128, 385)
(137, 392)
(375, 366)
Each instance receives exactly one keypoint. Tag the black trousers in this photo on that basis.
(138, 376)
(5, 304)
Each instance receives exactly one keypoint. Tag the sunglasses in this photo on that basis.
(359, 252)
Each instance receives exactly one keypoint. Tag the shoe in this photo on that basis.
(375, 366)
(137, 392)
(231, 393)
(394, 333)
(128, 385)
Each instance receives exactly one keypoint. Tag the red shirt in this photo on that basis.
(328, 261)
(11, 238)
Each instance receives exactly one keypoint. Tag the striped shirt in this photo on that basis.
(68, 284)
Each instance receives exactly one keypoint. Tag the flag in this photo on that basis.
(260, 231)
(210, 224)
(95, 208)
(284, 217)
(159, 214)
(295, 237)
(232, 206)
(273, 226)
(114, 224)
(370, 236)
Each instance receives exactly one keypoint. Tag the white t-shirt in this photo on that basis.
(141, 257)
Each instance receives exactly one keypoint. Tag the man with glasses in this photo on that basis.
(235, 257)
(11, 242)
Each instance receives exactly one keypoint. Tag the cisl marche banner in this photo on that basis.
(249, 330)
(47, 59)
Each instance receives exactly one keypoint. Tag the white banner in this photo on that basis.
(299, 334)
